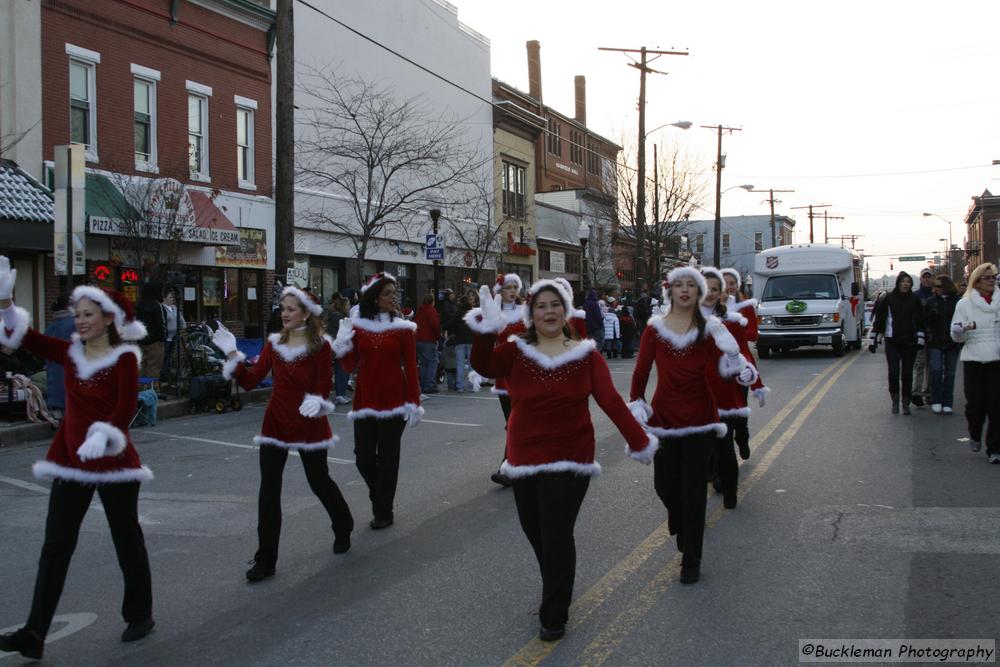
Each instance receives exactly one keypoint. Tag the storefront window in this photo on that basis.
(251, 292)
(231, 295)
(211, 294)
(323, 283)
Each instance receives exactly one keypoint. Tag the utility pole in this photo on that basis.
(720, 164)
(656, 219)
(851, 237)
(811, 207)
(826, 225)
(640, 195)
(284, 144)
(772, 201)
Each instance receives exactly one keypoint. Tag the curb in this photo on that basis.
(22, 434)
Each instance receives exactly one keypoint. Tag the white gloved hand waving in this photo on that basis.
(8, 277)
(224, 339)
(489, 304)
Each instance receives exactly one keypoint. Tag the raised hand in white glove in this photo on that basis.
(489, 304)
(224, 339)
(345, 332)
(94, 447)
(310, 406)
(8, 277)
(414, 415)
(746, 375)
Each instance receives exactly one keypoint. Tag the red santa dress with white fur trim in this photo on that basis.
(729, 395)
(296, 375)
(747, 309)
(101, 395)
(549, 428)
(385, 354)
(683, 402)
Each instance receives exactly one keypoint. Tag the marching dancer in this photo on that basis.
(686, 347)
(551, 376)
(300, 360)
(381, 345)
(91, 451)
(737, 302)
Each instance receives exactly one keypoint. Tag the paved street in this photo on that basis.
(852, 523)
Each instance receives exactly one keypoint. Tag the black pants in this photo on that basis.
(68, 503)
(982, 400)
(376, 452)
(272, 468)
(900, 359)
(547, 506)
(679, 478)
(725, 456)
(505, 406)
(741, 433)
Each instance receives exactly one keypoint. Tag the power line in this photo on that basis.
(872, 175)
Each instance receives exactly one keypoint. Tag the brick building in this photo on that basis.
(173, 103)
(982, 224)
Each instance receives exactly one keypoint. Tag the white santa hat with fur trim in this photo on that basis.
(114, 304)
(730, 271)
(307, 300)
(508, 279)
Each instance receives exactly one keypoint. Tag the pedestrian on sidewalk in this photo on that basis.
(628, 329)
(976, 324)
(550, 437)
(594, 319)
(612, 331)
(336, 312)
(921, 363)
(729, 395)
(461, 339)
(899, 319)
(149, 311)
(300, 360)
(428, 334)
(91, 452)
(686, 348)
(382, 346)
(942, 350)
(61, 327)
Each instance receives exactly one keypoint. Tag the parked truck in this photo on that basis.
(809, 294)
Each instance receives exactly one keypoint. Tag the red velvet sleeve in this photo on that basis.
(490, 361)
(349, 361)
(608, 398)
(250, 376)
(46, 347)
(409, 346)
(580, 325)
(751, 328)
(643, 364)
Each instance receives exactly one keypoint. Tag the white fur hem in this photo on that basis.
(580, 351)
(87, 368)
(398, 411)
(584, 469)
(263, 440)
(21, 323)
(718, 427)
(498, 392)
(116, 438)
(326, 407)
(474, 319)
(645, 455)
(229, 367)
(50, 470)
(734, 412)
(378, 326)
(743, 305)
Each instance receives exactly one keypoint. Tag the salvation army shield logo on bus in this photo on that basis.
(771, 262)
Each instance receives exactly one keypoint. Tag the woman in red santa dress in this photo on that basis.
(300, 359)
(686, 348)
(91, 451)
(729, 395)
(550, 375)
(736, 301)
(508, 289)
(381, 345)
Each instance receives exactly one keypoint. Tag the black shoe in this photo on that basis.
(717, 484)
(342, 543)
(729, 502)
(500, 478)
(744, 448)
(260, 570)
(136, 631)
(25, 642)
(917, 401)
(552, 633)
(906, 409)
(379, 524)
(689, 575)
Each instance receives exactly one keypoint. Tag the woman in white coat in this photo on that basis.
(976, 323)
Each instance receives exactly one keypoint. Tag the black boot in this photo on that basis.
(25, 642)
(136, 631)
(260, 570)
(906, 405)
(895, 403)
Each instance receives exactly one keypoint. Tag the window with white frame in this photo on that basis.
(513, 190)
(245, 141)
(144, 123)
(758, 241)
(83, 98)
(699, 243)
(725, 243)
(198, 136)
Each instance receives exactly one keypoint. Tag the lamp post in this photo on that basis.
(927, 215)
(583, 233)
(435, 215)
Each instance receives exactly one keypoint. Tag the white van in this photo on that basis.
(809, 294)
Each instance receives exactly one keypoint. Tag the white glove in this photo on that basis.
(8, 277)
(224, 339)
(345, 331)
(490, 305)
(414, 415)
(641, 410)
(310, 406)
(94, 447)
(746, 375)
(761, 395)
(476, 380)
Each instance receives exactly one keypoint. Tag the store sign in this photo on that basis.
(557, 262)
(251, 253)
(434, 247)
(164, 231)
(69, 240)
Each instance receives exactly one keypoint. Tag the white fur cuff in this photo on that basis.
(325, 407)
(731, 365)
(17, 320)
(116, 437)
(646, 454)
(229, 367)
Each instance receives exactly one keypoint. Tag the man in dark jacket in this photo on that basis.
(921, 367)
(594, 319)
(149, 311)
(899, 318)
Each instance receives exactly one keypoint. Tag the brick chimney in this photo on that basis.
(580, 83)
(535, 69)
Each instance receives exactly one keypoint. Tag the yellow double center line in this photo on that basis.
(601, 648)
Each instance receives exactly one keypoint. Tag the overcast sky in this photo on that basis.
(832, 98)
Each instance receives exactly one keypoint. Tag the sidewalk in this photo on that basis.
(23, 432)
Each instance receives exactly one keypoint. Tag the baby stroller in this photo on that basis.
(208, 389)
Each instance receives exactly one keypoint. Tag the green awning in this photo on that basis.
(104, 200)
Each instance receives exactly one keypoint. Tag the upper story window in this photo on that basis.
(144, 117)
(555, 138)
(593, 160)
(513, 190)
(198, 153)
(245, 142)
(758, 241)
(725, 243)
(576, 147)
(83, 98)
(699, 243)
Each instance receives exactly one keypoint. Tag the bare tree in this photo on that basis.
(383, 160)
(678, 193)
(601, 256)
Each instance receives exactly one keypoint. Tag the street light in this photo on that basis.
(927, 215)
(683, 124)
(583, 233)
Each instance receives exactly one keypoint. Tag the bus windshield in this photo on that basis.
(804, 286)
